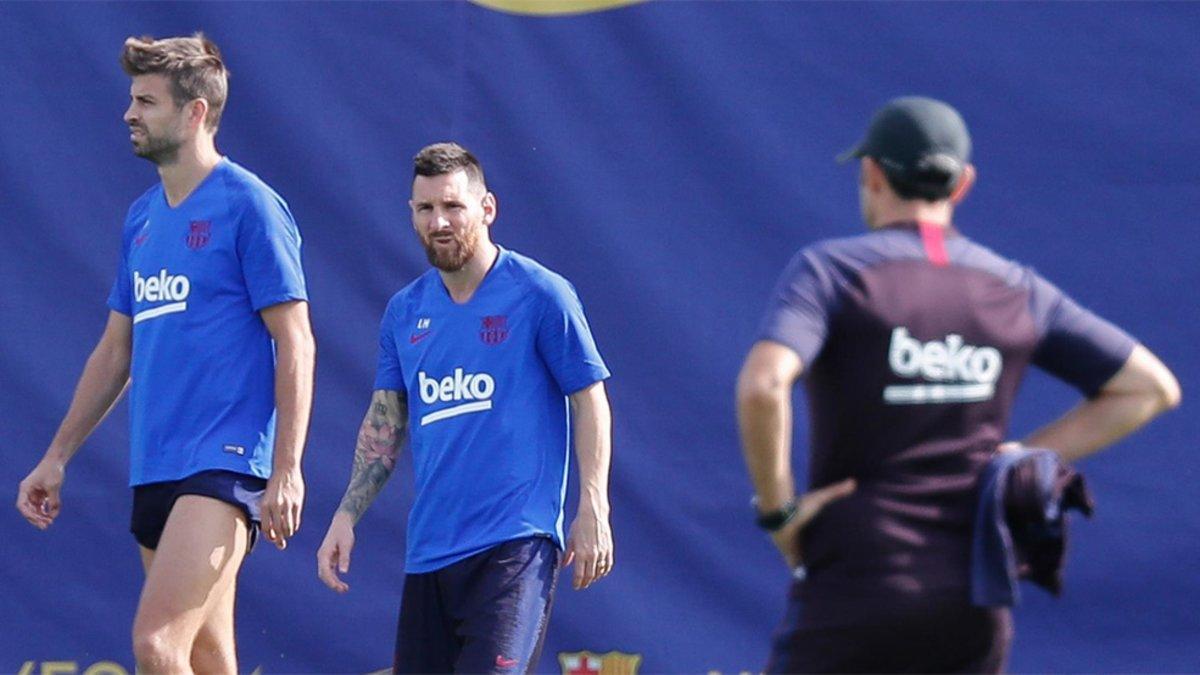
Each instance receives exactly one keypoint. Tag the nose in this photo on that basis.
(130, 116)
(440, 222)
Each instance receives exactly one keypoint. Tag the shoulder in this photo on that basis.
(833, 263)
(247, 192)
(141, 206)
(400, 303)
(538, 279)
(973, 255)
(864, 250)
(138, 214)
(847, 256)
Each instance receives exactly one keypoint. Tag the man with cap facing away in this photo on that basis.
(912, 340)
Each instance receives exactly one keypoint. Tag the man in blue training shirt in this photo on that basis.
(480, 361)
(209, 320)
(913, 340)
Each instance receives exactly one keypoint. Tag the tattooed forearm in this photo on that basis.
(379, 439)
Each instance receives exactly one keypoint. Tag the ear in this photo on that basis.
(197, 110)
(872, 176)
(490, 208)
(965, 182)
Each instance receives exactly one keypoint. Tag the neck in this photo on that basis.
(931, 213)
(191, 165)
(463, 283)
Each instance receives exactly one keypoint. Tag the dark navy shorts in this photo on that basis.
(485, 614)
(152, 502)
(934, 636)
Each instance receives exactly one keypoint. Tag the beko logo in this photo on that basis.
(955, 372)
(475, 389)
(172, 288)
(165, 286)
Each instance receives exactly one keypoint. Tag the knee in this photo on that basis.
(211, 654)
(157, 653)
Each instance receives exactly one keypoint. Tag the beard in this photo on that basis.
(161, 150)
(458, 253)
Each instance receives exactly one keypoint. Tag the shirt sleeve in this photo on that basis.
(1076, 346)
(388, 373)
(798, 311)
(269, 249)
(565, 343)
(120, 297)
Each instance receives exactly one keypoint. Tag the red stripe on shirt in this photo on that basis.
(934, 239)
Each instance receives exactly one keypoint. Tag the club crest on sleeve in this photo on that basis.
(199, 233)
(493, 330)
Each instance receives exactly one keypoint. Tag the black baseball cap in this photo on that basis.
(921, 143)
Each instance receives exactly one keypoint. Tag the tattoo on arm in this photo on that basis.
(379, 440)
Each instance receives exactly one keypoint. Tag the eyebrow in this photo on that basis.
(437, 200)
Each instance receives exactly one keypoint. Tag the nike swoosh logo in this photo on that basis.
(417, 337)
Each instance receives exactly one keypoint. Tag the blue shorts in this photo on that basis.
(152, 502)
(485, 614)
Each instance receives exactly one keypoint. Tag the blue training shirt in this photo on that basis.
(487, 384)
(194, 278)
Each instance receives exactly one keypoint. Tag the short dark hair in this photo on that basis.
(931, 186)
(193, 64)
(442, 158)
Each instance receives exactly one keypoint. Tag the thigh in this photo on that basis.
(194, 566)
(239, 490)
(506, 607)
(219, 623)
(425, 638)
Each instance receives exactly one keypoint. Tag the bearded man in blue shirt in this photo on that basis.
(209, 330)
(486, 365)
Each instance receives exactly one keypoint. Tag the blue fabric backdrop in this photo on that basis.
(668, 158)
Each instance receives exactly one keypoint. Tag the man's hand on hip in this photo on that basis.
(787, 538)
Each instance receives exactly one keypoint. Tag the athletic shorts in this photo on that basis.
(931, 637)
(152, 502)
(485, 614)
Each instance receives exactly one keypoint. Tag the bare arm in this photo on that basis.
(590, 543)
(1140, 391)
(764, 410)
(104, 379)
(295, 364)
(382, 433)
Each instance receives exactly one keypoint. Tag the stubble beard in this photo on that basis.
(160, 150)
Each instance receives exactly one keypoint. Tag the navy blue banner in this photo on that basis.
(668, 158)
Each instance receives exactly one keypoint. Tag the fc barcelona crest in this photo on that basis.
(199, 232)
(588, 663)
(493, 330)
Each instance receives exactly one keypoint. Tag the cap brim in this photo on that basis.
(852, 153)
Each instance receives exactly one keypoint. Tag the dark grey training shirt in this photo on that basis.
(914, 340)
